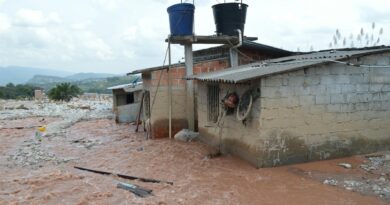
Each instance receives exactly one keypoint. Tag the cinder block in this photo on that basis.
(358, 78)
(362, 88)
(338, 98)
(318, 90)
(348, 88)
(292, 101)
(271, 92)
(375, 87)
(296, 81)
(375, 106)
(306, 100)
(273, 82)
(311, 80)
(334, 107)
(348, 108)
(361, 106)
(355, 70)
(322, 70)
(342, 79)
(336, 69)
(322, 99)
(317, 109)
(333, 89)
(327, 80)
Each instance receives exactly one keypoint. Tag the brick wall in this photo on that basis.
(316, 113)
(151, 80)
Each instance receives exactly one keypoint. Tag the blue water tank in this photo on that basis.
(181, 19)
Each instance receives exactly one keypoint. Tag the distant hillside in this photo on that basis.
(20, 75)
(45, 79)
(92, 85)
(84, 76)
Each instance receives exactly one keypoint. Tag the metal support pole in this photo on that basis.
(189, 63)
(233, 57)
(169, 90)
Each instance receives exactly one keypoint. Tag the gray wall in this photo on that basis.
(315, 113)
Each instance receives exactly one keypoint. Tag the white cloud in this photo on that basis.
(29, 17)
(4, 22)
(118, 34)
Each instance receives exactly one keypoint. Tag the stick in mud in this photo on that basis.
(124, 176)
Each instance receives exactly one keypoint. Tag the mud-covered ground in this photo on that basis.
(42, 172)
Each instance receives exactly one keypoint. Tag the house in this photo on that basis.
(155, 82)
(299, 108)
(126, 101)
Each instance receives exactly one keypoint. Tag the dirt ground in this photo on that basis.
(34, 172)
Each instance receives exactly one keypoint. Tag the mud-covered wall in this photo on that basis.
(229, 134)
(316, 113)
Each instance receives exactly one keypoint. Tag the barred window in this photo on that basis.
(213, 102)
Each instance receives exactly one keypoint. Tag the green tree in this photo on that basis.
(64, 91)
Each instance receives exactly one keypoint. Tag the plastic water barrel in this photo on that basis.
(181, 19)
(229, 17)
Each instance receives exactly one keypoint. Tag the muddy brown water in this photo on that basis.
(104, 145)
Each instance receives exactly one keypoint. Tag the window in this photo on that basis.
(130, 98)
(213, 102)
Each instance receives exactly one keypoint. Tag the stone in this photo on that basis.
(332, 182)
(186, 135)
(345, 165)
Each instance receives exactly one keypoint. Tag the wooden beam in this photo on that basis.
(183, 40)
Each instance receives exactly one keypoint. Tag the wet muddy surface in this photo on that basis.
(104, 145)
(43, 171)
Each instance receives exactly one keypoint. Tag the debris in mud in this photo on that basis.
(345, 165)
(86, 143)
(375, 182)
(33, 154)
(330, 181)
(186, 135)
(138, 191)
(124, 176)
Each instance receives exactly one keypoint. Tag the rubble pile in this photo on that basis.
(11, 109)
(376, 180)
(70, 112)
(33, 154)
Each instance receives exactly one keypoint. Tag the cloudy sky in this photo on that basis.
(117, 36)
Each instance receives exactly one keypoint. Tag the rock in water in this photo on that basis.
(186, 135)
(345, 165)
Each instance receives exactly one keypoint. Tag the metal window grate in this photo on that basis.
(213, 102)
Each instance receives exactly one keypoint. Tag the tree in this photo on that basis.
(64, 91)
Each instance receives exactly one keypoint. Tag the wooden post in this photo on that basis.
(169, 91)
(189, 63)
(140, 111)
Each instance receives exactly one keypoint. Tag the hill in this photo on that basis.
(84, 76)
(92, 85)
(20, 75)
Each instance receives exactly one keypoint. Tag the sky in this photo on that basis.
(117, 36)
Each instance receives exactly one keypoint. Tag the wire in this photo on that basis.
(238, 51)
(159, 80)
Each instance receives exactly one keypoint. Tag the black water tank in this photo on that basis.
(229, 17)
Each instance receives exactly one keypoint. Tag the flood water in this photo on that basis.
(42, 172)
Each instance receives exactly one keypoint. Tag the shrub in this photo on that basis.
(64, 91)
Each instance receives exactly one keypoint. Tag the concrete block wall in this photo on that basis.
(325, 112)
(315, 113)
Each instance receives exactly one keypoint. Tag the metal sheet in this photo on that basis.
(280, 65)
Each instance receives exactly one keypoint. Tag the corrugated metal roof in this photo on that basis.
(280, 65)
(276, 52)
(132, 87)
